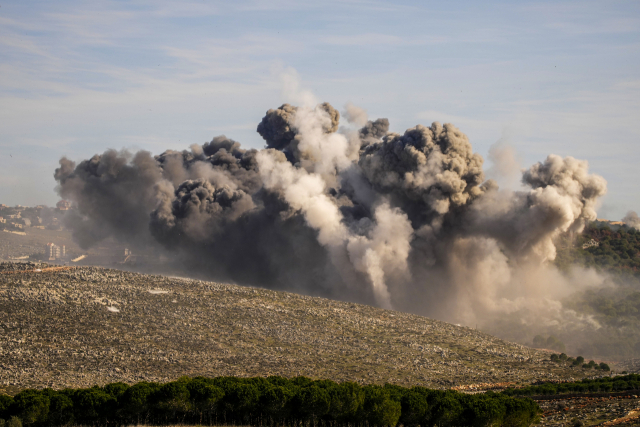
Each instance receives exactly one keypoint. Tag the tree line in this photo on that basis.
(299, 402)
(579, 361)
(607, 384)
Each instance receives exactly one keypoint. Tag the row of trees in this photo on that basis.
(608, 384)
(266, 402)
(579, 361)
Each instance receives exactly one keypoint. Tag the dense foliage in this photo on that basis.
(265, 401)
(616, 251)
(607, 384)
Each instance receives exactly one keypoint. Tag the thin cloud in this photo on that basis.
(368, 39)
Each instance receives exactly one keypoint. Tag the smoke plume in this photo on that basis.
(405, 221)
(632, 220)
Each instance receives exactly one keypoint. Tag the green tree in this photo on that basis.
(116, 389)
(415, 407)
(92, 405)
(5, 404)
(60, 408)
(379, 409)
(171, 401)
(240, 400)
(521, 412)
(446, 408)
(31, 406)
(302, 381)
(346, 400)
(482, 410)
(134, 405)
(275, 402)
(204, 397)
(312, 403)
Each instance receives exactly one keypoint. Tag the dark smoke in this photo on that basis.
(397, 220)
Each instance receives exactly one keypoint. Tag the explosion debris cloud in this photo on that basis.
(405, 221)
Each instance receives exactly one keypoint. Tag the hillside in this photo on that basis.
(84, 326)
(615, 250)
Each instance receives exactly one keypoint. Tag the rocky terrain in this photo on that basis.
(623, 410)
(80, 326)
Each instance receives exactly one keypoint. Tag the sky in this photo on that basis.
(79, 77)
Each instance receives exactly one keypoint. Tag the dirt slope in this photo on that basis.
(88, 325)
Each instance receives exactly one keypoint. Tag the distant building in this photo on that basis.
(129, 257)
(590, 244)
(18, 225)
(2, 220)
(63, 205)
(53, 251)
(3, 206)
(26, 222)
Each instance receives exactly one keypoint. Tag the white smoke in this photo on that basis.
(632, 220)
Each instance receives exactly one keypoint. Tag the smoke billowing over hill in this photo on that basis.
(405, 221)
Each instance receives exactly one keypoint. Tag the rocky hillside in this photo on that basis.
(62, 327)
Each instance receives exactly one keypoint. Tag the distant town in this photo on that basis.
(17, 218)
(44, 238)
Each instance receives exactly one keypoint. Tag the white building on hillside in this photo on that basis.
(53, 251)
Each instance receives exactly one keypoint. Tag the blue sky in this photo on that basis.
(545, 77)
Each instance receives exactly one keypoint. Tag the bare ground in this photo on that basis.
(84, 326)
